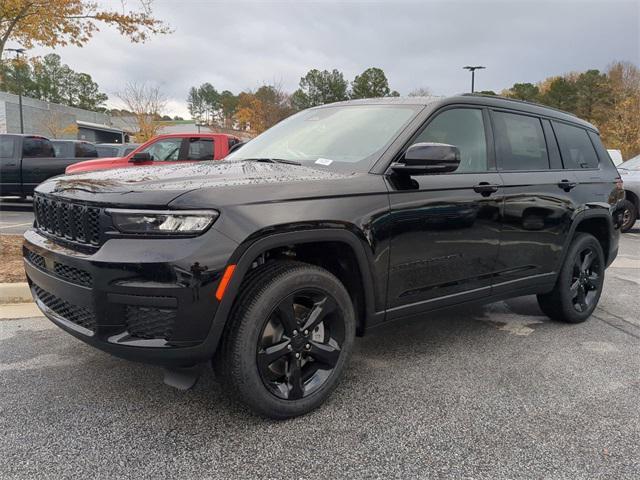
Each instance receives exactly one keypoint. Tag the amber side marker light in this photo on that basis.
(224, 282)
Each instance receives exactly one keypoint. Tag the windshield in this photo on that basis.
(631, 164)
(348, 137)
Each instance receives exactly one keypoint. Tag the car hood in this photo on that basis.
(93, 164)
(161, 184)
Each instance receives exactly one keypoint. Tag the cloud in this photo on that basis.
(239, 45)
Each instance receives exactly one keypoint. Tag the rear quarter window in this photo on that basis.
(575, 147)
(7, 147)
(34, 147)
(86, 150)
(106, 151)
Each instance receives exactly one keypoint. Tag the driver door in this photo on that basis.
(446, 227)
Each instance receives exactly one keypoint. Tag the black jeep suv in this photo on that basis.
(337, 220)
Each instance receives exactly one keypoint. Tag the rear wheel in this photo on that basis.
(291, 333)
(579, 285)
(629, 216)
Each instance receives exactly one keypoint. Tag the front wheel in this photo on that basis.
(579, 285)
(289, 338)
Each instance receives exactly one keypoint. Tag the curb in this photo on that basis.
(15, 293)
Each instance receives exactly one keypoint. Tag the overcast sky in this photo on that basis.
(239, 45)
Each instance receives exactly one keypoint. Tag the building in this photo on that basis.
(53, 120)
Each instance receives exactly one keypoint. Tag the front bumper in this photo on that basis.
(149, 300)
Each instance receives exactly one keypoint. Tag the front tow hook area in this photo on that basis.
(182, 378)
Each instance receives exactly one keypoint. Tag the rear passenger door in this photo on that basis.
(581, 161)
(538, 202)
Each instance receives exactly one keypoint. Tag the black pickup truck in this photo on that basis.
(27, 160)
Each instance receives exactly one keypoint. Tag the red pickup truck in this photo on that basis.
(166, 149)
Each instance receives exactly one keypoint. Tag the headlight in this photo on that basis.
(185, 222)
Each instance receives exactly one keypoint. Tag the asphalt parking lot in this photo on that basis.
(486, 392)
(16, 216)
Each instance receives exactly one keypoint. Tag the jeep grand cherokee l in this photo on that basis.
(338, 220)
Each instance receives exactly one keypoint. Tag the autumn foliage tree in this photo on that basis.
(610, 100)
(54, 23)
(144, 104)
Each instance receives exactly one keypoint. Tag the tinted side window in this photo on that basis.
(7, 147)
(106, 151)
(167, 150)
(86, 150)
(576, 148)
(464, 128)
(200, 149)
(37, 147)
(520, 142)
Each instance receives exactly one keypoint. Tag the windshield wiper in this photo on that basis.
(272, 160)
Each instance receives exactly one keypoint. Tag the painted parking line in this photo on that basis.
(16, 225)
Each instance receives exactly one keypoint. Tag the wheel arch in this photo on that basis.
(252, 249)
(598, 223)
(633, 198)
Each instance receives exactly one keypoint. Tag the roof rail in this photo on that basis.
(517, 100)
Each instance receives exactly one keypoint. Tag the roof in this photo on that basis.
(474, 99)
(98, 126)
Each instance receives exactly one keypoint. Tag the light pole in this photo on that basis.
(19, 51)
(473, 73)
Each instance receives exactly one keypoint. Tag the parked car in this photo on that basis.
(338, 220)
(115, 150)
(630, 171)
(27, 160)
(616, 156)
(165, 150)
(74, 149)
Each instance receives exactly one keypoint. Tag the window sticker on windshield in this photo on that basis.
(324, 161)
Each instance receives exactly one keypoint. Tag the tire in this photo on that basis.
(579, 284)
(629, 215)
(267, 359)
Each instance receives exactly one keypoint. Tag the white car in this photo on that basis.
(630, 173)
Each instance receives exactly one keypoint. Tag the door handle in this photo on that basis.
(566, 185)
(486, 188)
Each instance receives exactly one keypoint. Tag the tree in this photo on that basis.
(195, 104)
(54, 23)
(421, 92)
(524, 91)
(263, 108)
(228, 105)
(487, 92)
(49, 80)
(319, 88)
(371, 83)
(559, 92)
(622, 128)
(249, 112)
(56, 124)
(145, 102)
(593, 96)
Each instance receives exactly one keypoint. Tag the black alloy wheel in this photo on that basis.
(288, 339)
(585, 281)
(300, 344)
(579, 283)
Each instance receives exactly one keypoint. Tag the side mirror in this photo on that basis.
(426, 158)
(141, 157)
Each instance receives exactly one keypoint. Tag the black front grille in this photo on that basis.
(81, 316)
(73, 274)
(66, 220)
(35, 259)
(150, 322)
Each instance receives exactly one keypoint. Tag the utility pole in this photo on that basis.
(19, 51)
(473, 74)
